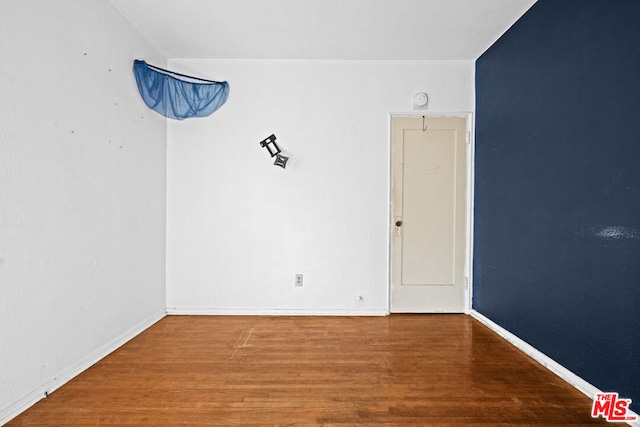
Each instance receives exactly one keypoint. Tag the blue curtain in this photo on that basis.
(177, 96)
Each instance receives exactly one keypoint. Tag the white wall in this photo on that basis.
(82, 193)
(239, 228)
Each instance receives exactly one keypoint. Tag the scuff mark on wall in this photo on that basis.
(615, 181)
(616, 232)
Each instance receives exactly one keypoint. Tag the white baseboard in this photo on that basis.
(21, 405)
(583, 386)
(273, 312)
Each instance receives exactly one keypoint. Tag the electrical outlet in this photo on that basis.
(298, 279)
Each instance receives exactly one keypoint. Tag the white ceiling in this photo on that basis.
(323, 29)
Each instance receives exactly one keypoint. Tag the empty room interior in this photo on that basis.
(399, 212)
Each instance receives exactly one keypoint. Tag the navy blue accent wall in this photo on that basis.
(557, 187)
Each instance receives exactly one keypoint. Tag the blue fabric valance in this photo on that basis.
(177, 96)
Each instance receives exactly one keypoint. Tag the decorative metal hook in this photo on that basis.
(273, 149)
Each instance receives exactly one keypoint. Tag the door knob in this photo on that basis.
(398, 223)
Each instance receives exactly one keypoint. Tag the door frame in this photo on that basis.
(469, 226)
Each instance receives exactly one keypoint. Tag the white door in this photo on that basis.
(429, 208)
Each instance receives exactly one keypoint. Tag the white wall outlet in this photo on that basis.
(298, 279)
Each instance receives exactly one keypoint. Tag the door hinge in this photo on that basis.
(468, 136)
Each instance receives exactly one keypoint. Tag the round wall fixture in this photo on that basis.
(420, 99)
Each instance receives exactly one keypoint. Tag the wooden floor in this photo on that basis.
(416, 370)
